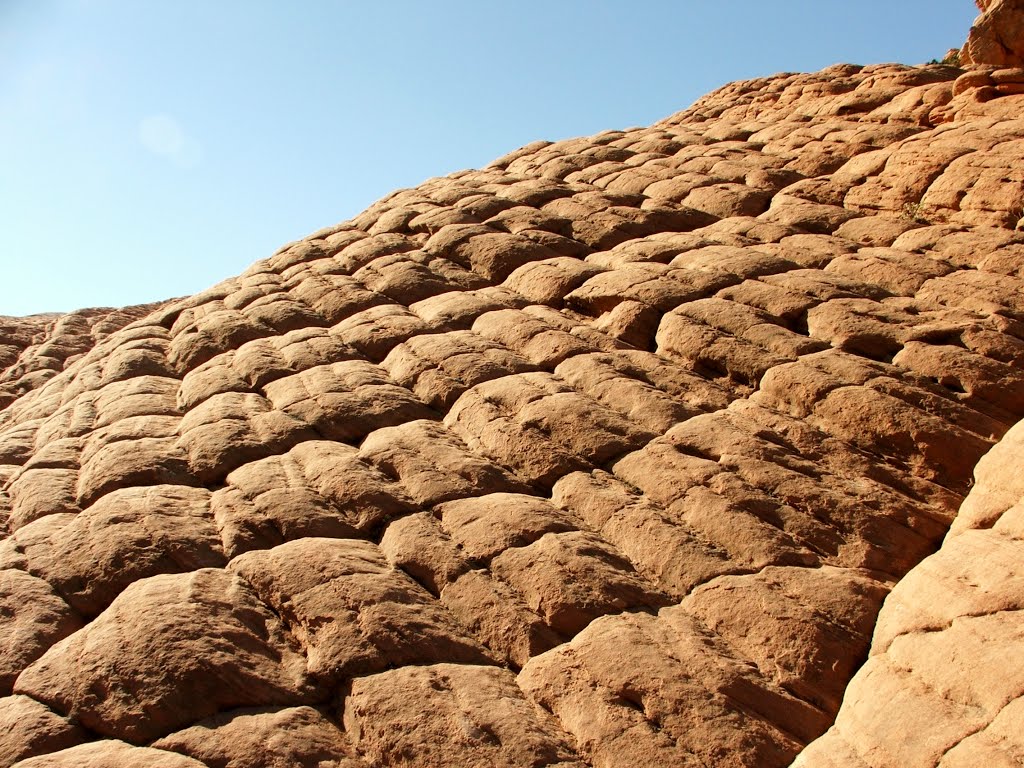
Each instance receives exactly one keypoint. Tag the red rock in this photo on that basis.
(669, 701)
(532, 424)
(532, 338)
(432, 465)
(119, 459)
(438, 368)
(499, 617)
(375, 331)
(827, 609)
(930, 693)
(547, 282)
(996, 36)
(344, 401)
(318, 488)
(228, 430)
(569, 579)
(419, 546)
(127, 535)
(36, 493)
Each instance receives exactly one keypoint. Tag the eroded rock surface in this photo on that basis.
(997, 36)
(606, 454)
(942, 686)
(34, 349)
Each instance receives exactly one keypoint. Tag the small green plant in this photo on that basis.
(914, 212)
(951, 59)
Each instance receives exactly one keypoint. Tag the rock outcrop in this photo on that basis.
(35, 348)
(942, 685)
(997, 36)
(607, 454)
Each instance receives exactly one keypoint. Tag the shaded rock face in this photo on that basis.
(607, 454)
(997, 36)
(942, 686)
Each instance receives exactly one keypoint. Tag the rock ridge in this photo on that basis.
(607, 453)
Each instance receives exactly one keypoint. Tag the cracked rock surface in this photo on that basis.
(607, 454)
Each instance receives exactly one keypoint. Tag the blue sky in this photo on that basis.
(149, 149)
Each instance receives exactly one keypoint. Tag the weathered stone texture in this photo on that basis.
(941, 686)
(606, 454)
(997, 36)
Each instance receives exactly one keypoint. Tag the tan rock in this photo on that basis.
(297, 737)
(414, 276)
(32, 618)
(657, 285)
(219, 648)
(264, 360)
(532, 338)
(452, 715)
(127, 535)
(615, 384)
(28, 728)
(109, 753)
(656, 416)
(350, 611)
(932, 448)
(334, 296)
(198, 337)
(459, 309)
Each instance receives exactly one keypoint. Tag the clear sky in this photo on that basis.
(149, 149)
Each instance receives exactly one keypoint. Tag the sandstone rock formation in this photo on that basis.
(997, 37)
(943, 685)
(35, 348)
(607, 454)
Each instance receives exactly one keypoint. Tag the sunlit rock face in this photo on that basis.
(997, 36)
(607, 454)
